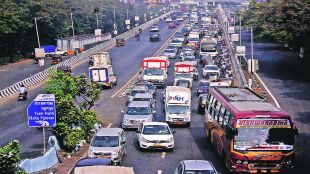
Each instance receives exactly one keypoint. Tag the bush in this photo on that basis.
(10, 157)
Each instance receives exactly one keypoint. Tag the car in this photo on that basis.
(84, 163)
(136, 113)
(195, 167)
(155, 135)
(135, 90)
(145, 97)
(180, 37)
(176, 43)
(185, 53)
(203, 87)
(168, 20)
(154, 36)
(171, 53)
(211, 72)
(180, 18)
(185, 31)
(191, 59)
(154, 28)
(151, 87)
(108, 143)
(172, 25)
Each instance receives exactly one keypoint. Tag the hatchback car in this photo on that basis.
(155, 135)
(195, 167)
(136, 113)
(108, 143)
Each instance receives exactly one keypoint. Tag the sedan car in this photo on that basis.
(171, 53)
(155, 135)
(135, 90)
(176, 43)
(151, 87)
(168, 20)
(108, 143)
(172, 25)
(203, 87)
(136, 113)
(195, 167)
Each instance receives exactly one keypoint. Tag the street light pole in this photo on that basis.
(252, 50)
(72, 26)
(35, 21)
(97, 19)
(240, 29)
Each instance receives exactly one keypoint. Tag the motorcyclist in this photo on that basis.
(137, 35)
(140, 30)
(23, 90)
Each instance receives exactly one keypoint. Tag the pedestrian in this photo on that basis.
(41, 63)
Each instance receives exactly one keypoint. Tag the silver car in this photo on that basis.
(195, 167)
(136, 113)
(145, 97)
(108, 143)
(170, 53)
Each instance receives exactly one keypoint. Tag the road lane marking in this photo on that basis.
(163, 155)
(159, 172)
(134, 76)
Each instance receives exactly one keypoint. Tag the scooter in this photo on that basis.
(22, 96)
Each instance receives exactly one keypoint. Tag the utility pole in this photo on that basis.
(127, 14)
(240, 29)
(97, 19)
(252, 50)
(35, 21)
(114, 19)
(72, 26)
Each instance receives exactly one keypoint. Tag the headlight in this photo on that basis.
(126, 121)
(148, 120)
(144, 140)
(115, 154)
(90, 153)
(199, 90)
(245, 162)
(170, 140)
(238, 162)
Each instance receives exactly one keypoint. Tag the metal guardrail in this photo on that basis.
(41, 76)
(236, 65)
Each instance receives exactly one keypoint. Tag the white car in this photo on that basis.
(168, 20)
(155, 135)
(170, 53)
(180, 18)
(211, 72)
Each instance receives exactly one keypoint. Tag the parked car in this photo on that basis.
(155, 135)
(195, 167)
(137, 112)
(108, 143)
(203, 87)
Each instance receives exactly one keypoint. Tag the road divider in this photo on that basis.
(39, 77)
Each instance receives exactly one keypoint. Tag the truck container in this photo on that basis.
(103, 74)
(101, 58)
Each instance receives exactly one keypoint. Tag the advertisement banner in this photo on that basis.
(97, 32)
(231, 29)
(240, 50)
(127, 22)
(234, 37)
(39, 52)
(263, 123)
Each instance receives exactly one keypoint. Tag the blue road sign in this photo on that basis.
(42, 112)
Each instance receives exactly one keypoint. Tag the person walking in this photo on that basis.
(41, 63)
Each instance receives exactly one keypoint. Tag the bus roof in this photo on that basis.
(244, 101)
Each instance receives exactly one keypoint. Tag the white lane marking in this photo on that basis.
(163, 155)
(134, 76)
(272, 96)
(109, 125)
(159, 172)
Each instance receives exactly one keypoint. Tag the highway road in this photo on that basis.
(289, 81)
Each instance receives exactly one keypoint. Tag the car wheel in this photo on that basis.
(188, 124)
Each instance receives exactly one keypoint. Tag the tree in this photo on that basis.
(75, 97)
(10, 157)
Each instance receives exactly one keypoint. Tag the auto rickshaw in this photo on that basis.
(56, 59)
(120, 42)
(65, 69)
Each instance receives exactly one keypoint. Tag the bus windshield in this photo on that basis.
(264, 135)
(208, 47)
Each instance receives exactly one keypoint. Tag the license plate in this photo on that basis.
(178, 123)
(157, 145)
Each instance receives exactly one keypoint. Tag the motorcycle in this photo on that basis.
(22, 96)
(137, 37)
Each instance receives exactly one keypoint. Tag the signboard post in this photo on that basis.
(42, 113)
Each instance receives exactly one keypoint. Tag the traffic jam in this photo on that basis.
(193, 74)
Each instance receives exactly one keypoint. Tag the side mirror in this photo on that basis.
(122, 111)
(296, 131)
(140, 72)
(123, 142)
(231, 132)
(154, 112)
(173, 132)
(138, 131)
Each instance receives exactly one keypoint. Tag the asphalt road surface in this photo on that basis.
(287, 77)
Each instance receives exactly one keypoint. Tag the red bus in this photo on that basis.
(252, 135)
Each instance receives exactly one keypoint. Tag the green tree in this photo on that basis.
(10, 157)
(75, 97)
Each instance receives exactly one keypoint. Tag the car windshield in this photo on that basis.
(200, 172)
(169, 51)
(183, 75)
(211, 68)
(177, 109)
(156, 130)
(210, 47)
(184, 83)
(142, 99)
(153, 72)
(138, 111)
(105, 141)
(189, 58)
(269, 136)
(133, 92)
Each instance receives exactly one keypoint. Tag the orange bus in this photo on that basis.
(251, 135)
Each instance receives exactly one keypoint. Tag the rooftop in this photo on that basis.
(239, 94)
(108, 132)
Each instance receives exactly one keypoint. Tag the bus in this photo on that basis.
(253, 136)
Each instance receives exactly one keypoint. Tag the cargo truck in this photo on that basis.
(101, 58)
(103, 74)
(154, 69)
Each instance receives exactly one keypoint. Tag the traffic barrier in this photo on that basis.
(41, 76)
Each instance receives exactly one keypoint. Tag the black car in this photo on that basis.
(203, 87)
(154, 36)
(86, 162)
(202, 103)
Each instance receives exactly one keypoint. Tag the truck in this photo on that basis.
(192, 67)
(103, 74)
(101, 58)
(193, 40)
(51, 50)
(183, 71)
(177, 101)
(154, 69)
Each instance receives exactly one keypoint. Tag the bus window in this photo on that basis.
(216, 111)
(210, 109)
(208, 101)
(221, 115)
(231, 119)
(226, 117)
